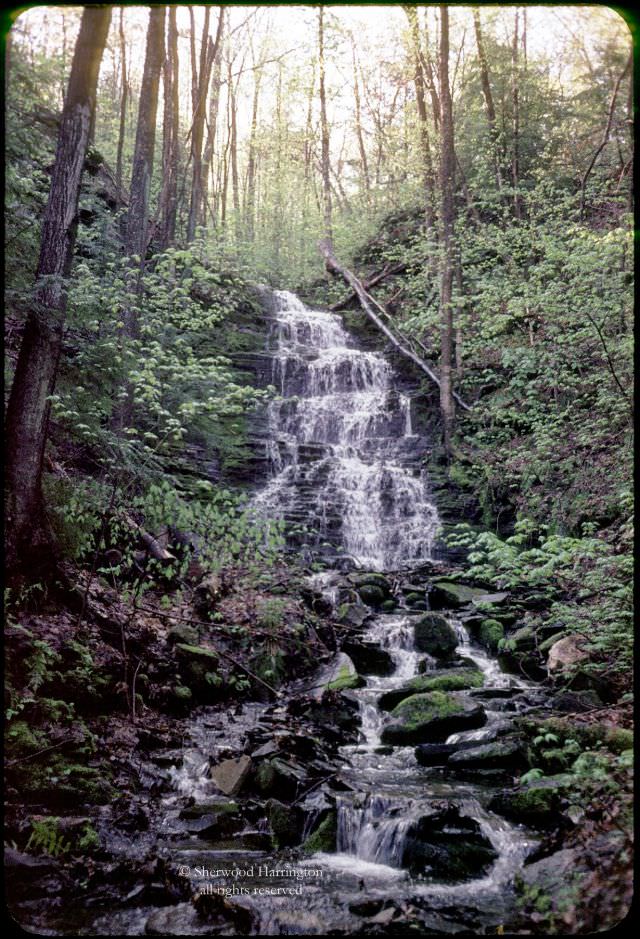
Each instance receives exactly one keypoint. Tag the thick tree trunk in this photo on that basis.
(36, 369)
(326, 178)
(447, 170)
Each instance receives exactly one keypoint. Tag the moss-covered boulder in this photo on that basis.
(490, 632)
(447, 845)
(538, 804)
(434, 635)
(449, 595)
(431, 717)
(450, 679)
(324, 837)
(184, 634)
(287, 823)
(501, 754)
(347, 677)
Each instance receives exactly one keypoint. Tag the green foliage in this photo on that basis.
(46, 838)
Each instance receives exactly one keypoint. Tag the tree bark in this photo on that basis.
(358, 116)
(123, 110)
(419, 81)
(250, 202)
(515, 98)
(200, 89)
(326, 179)
(170, 137)
(447, 170)
(28, 538)
(488, 99)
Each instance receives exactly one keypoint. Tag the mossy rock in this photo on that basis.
(434, 635)
(538, 804)
(388, 606)
(346, 678)
(490, 633)
(325, 836)
(184, 635)
(446, 594)
(370, 579)
(372, 595)
(439, 680)
(431, 716)
(287, 823)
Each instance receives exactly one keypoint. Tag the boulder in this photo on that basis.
(490, 633)
(503, 754)
(566, 653)
(448, 595)
(550, 872)
(538, 804)
(353, 614)
(323, 837)
(287, 823)
(368, 657)
(434, 635)
(431, 717)
(344, 675)
(451, 679)
(230, 775)
(280, 778)
(183, 633)
(447, 846)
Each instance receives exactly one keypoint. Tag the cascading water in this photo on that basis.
(340, 437)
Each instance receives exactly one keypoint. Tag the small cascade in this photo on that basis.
(341, 446)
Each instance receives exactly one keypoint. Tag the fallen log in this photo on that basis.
(371, 282)
(368, 303)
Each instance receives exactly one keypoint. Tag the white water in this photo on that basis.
(337, 435)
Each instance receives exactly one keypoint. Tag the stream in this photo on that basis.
(345, 476)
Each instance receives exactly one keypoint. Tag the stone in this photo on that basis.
(549, 873)
(433, 680)
(369, 658)
(565, 653)
(353, 614)
(437, 754)
(434, 635)
(538, 804)
(230, 775)
(446, 594)
(431, 717)
(490, 633)
(447, 845)
(324, 836)
(286, 821)
(503, 754)
(183, 633)
(279, 777)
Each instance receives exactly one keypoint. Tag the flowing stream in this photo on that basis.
(342, 454)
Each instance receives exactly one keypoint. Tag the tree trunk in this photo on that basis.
(28, 538)
(326, 179)
(138, 215)
(123, 110)
(515, 98)
(250, 202)
(419, 81)
(488, 99)
(358, 115)
(447, 170)
(170, 138)
(212, 121)
(200, 90)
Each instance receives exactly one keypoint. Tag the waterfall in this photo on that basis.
(340, 435)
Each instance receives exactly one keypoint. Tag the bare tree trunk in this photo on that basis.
(250, 202)
(123, 109)
(326, 180)
(28, 537)
(419, 81)
(199, 89)
(209, 149)
(447, 170)
(137, 239)
(358, 114)
(488, 99)
(170, 140)
(515, 97)
(233, 146)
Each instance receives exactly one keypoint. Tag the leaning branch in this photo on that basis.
(367, 302)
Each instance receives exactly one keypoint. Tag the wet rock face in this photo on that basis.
(369, 658)
(447, 846)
